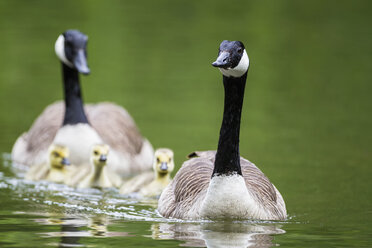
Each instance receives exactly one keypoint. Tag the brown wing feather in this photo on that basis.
(45, 127)
(115, 126)
(31, 147)
(190, 182)
(257, 182)
(193, 177)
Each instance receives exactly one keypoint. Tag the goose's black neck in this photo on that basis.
(74, 112)
(228, 157)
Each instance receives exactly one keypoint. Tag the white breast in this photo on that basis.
(79, 138)
(228, 197)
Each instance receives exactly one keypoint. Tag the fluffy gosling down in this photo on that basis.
(151, 184)
(54, 170)
(95, 175)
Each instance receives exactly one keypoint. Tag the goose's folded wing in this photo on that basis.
(44, 129)
(115, 126)
(187, 188)
(257, 182)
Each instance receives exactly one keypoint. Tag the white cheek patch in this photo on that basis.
(238, 70)
(59, 47)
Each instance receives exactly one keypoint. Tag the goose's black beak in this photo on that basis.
(65, 161)
(223, 60)
(80, 62)
(103, 158)
(164, 166)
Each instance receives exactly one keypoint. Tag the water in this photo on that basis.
(306, 117)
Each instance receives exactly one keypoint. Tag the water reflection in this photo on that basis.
(219, 234)
(72, 229)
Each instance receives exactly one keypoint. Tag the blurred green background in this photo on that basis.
(307, 113)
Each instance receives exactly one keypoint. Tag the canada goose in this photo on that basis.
(55, 169)
(151, 184)
(96, 174)
(222, 184)
(77, 127)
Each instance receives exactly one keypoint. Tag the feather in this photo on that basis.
(185, 194)
(112, 122)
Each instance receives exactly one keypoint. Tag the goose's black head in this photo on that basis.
(70, 48)
(232, 59)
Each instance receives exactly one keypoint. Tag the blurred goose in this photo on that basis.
(55, 169)
(96, 174)
(71, 124)
(221, 184)
(151, 184)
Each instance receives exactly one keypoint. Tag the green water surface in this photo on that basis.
(306, 119)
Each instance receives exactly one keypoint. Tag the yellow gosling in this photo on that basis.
(54, 170)
(98, 176)
(151, 184)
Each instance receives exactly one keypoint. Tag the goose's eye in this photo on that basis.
(157, 160)
(55, 154)
(170, 159)
(240, 50)
(96, 153)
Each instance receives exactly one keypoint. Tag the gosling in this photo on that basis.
(151, 184)
(54, 170)
(96, 174)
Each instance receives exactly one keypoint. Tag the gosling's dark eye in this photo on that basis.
(157, 160)
(96, 153)
(240, 50)
(170, 159)
(55, 154)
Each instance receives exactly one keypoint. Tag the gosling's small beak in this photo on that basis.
(103, 158)
(80, 62)
(65, 161)
(164, 166)
(222, 61)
